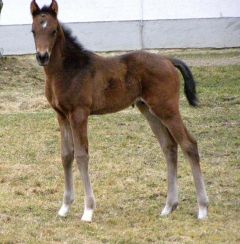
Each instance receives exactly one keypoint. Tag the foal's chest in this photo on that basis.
(54, 97)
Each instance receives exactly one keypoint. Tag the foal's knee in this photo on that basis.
(81, 157)
(67, 159)
(169, 148)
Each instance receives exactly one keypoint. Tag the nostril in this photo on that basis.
(42, 58)
(46, 56)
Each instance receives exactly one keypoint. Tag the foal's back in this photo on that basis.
(121, 80)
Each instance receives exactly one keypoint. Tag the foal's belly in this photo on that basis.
(113, 106)
(117, 95)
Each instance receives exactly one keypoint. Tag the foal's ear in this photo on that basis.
(34, 7)
(54, 7)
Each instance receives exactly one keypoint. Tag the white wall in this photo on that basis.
(107, 25)
(17, 11)
(185, 9)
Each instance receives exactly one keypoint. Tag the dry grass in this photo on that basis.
(21, 85)
(127, 168)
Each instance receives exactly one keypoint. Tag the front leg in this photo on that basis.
(78, 121)
(67, 159)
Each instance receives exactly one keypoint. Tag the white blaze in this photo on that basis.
(44, 24)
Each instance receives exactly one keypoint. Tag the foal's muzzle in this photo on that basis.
(43, 58)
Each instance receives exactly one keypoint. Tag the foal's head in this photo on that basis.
(45, 29)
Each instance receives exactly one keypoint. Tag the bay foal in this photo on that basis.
(80, 83)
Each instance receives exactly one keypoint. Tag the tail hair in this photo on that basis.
(189, 82)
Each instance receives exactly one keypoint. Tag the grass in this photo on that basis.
(128, 170)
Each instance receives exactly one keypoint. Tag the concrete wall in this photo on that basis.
(108, 25)
(192, 33)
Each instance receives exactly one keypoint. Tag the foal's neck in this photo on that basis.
(55, 65)
(68, 56)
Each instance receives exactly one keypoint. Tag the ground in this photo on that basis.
(127, 168)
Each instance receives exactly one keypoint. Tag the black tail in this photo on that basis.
(189, 82)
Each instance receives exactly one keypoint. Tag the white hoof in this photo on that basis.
(203, 212)
(87, 215)
(63, 211)
(168, 209)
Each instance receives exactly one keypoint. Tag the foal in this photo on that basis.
(80, 83)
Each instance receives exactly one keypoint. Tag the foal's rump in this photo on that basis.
(159, 77)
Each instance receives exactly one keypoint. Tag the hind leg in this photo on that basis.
(169, 147)
(190, 150)
(189, 147)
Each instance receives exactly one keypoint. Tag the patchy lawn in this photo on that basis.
(127, 168)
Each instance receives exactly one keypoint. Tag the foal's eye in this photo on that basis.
(54, 33)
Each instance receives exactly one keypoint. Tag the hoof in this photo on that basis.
(203, 212)
(63, 211)
(87, 215)
(168, 209)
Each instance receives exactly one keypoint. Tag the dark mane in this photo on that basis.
(75, 54)
(71, 40)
